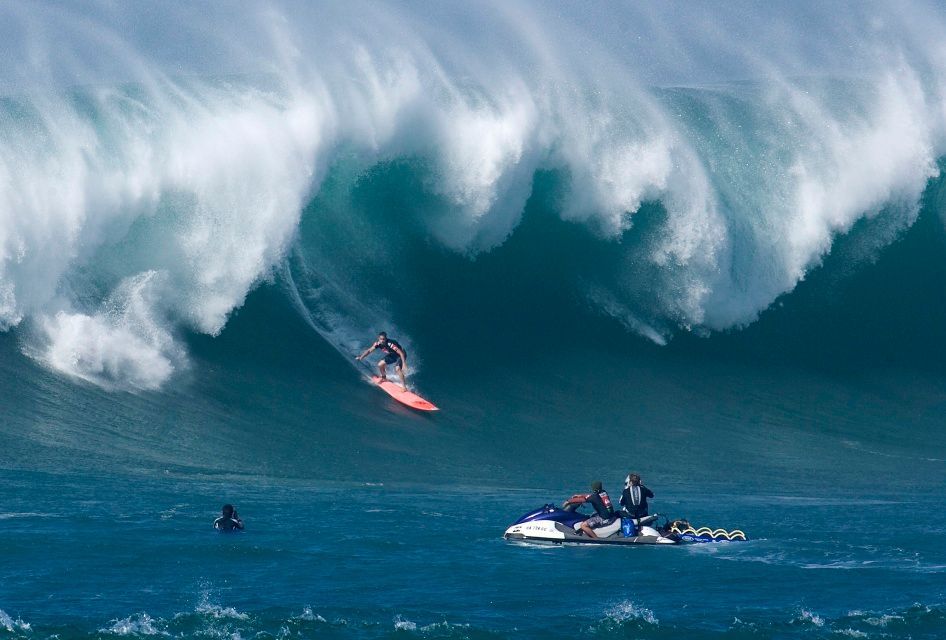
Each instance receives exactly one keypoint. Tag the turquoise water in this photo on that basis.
(701, 243)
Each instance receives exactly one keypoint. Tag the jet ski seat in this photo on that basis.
(605, 531)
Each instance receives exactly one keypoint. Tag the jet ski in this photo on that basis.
(562, 525)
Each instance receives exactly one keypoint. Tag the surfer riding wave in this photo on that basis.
(394, 354)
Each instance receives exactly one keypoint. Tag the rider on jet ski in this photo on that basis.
(634, 497)
(604, 512)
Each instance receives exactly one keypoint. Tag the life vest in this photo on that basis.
(581, 498)
(388, 345)
(606, 499)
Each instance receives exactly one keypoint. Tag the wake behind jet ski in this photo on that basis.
(688, 533)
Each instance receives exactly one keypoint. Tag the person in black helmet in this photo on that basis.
(229, 521)
(394, 354)
(604, 512)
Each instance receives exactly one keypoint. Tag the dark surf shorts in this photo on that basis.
(596, 521)
(393, 358)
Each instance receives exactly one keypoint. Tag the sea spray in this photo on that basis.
(197, 164)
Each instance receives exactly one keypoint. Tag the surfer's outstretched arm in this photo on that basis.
(365, 353)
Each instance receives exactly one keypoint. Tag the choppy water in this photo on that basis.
(137, 558)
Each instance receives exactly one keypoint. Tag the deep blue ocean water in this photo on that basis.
(137, 557)
(381, 522)
(700, 242)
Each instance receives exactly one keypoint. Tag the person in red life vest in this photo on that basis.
(604, 512)
(394, 354)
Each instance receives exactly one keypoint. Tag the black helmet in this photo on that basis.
(596, 486)
(228, 510)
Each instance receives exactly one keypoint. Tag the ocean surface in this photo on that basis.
(702, 243)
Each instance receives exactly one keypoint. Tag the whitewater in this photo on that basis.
(704, 243)
(146, 190)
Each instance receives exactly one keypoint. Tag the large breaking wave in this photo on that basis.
(700, 164)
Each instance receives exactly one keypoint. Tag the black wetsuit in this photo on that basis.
(228, 523)
(388, 347)
(640, 509)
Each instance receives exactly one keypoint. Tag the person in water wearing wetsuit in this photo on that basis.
(229, 521)
(634, 497)
(604, 513)
(393, 354)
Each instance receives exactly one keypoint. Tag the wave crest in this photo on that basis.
(186, 169)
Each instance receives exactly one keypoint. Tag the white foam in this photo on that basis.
(198, 180)
(124, 345)
(218, 611)
(310, 616)
(882, 620)
(140, 624)
(813, 618)
(403, 624)
(628, 610)
(197, 186)
(486, 175)
(841, 169)
(12, 625)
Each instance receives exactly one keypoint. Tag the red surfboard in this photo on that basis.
(408, 398)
